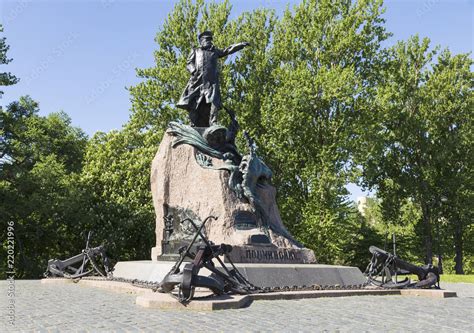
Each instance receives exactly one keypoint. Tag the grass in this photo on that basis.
(457, 278)
(451, 278)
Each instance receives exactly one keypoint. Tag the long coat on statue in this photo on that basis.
(203, 86)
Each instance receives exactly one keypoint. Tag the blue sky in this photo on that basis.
(78, 56)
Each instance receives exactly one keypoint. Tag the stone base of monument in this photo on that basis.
(149, 299)
(261, 275)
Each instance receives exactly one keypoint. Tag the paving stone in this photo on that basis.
(75, 308)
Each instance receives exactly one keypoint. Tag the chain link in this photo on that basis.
(255, 290)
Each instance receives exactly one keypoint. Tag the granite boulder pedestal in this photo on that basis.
(198, 172)
(182, 187)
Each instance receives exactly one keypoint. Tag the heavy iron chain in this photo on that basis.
(255, 290)
(248, 286)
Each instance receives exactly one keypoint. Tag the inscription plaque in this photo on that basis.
(271, 254)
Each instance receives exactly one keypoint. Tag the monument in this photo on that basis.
(215, 203)
(198, 171)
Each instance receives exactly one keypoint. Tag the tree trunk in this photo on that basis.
(458, 245)
(427, 230)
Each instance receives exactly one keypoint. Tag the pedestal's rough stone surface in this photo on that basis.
(183, 188)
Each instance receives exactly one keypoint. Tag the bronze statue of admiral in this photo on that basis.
(202, 97)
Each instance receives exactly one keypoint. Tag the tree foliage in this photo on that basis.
(419, 146)
(40, 166)
(116, 177)
(319, 93)
(6, 78)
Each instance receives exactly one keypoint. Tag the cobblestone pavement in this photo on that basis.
(71, 307)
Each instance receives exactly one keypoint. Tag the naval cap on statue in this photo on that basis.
(205, 33)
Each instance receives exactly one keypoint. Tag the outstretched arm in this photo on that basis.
(232, 49)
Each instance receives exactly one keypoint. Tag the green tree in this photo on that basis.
(449, 100)
(320, 91)
(41, 159)
(419, 144)
(6, 78)
(116, 176)
(405, 227)
(365, 233)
